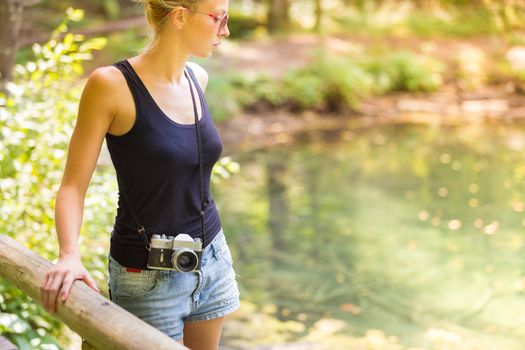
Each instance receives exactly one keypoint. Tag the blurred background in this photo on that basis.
(372, 183)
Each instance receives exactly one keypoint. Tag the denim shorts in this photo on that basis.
(166, 299)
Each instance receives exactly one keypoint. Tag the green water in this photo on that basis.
(415, 230)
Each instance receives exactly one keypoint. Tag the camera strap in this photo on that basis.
(204, 203)
(140, 228)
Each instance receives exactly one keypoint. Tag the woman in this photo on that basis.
(146, 108)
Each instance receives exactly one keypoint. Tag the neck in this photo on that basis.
(166, 62)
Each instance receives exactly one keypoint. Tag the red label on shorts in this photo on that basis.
(129, 269)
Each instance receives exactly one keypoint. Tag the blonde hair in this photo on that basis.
(156, 12)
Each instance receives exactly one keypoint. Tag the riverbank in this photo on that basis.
(476, 87)
(251, 131)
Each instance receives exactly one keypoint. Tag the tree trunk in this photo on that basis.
(10, 22)
(278, 18)
(278, 204)
(278, 215)
(318, 15)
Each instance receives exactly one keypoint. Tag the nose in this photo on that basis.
(225, 32)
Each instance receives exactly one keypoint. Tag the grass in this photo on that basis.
(404, 20)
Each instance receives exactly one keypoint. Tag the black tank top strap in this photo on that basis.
(142, 104)
(196, 83)
(128, 72)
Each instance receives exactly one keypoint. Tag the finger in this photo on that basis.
(90, 282)
(42, 288)
(66, 287)
(45, 291)
(53, 289)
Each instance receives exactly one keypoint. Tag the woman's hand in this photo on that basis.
(59, 280)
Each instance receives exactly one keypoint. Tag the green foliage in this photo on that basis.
(35, 128)
(120, 44)
(111, 8)
(506, 15)
(405, 71)
(458, 22)
(402, 18)
(303, 90)
(25, 323)
(221, 96)
(243, 25)
(521, 75)
(329, 83)
(266, 90)
(224, 169)
(229, 93)
(36, 125)
(243, 85)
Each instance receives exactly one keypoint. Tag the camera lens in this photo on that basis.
(185, 260)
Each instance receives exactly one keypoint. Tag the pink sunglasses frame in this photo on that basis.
(222, 19)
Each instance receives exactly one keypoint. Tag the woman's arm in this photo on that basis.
(97, 109)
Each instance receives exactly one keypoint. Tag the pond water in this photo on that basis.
(414, 230)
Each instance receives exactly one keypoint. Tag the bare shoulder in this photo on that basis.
(108, 87)
(200, 73)
(106, 78)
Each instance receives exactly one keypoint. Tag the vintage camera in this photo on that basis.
(180, 253)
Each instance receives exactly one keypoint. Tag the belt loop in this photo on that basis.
(214, 248)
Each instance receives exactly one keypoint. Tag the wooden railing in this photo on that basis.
(103, 324)
(6, 344)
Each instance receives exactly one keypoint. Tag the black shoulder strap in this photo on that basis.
(204, 203)
(140, 228)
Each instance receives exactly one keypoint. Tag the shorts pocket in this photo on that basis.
(137, 284)
(125, 284)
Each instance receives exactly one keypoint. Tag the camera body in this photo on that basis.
(180, 253)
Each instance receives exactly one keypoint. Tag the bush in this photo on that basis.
(405, 71)
(303, 90)
(243, 26)
(335, 83)
(461, 21)
(221, 97)
(330, 83)
(267, 90)
(35, 128)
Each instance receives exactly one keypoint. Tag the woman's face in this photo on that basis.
(202, 31)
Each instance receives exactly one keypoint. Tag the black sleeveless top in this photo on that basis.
(158, 169)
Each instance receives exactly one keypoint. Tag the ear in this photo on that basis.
(178, 17)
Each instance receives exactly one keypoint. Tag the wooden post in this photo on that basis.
(86, 345)
(102, 323)
(6, 344)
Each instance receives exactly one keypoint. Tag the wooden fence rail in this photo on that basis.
(103, 324)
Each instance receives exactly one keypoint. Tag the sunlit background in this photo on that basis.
(372, 185)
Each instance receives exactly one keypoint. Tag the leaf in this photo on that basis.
(93, 44)
(75, 15)
(69, 39)
(13, 323)
(22, 343)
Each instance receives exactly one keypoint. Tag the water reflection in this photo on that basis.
(412, 230)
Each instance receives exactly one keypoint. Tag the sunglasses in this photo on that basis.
(222, 19)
